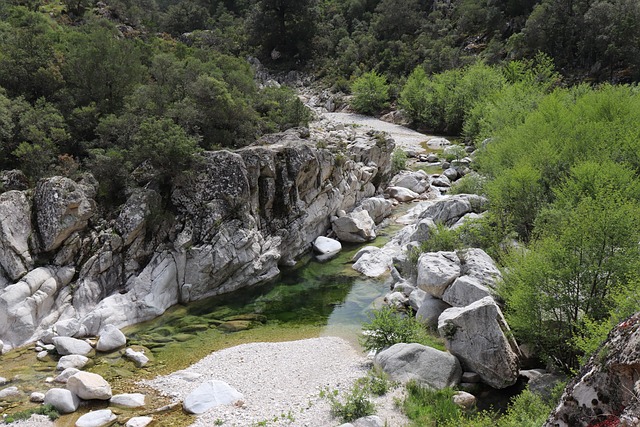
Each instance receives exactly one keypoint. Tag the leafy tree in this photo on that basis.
(370, 93)
(185, 16)
(281, 109)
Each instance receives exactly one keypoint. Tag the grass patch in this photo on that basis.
(47, 410)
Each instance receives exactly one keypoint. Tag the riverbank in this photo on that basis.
(281, 383)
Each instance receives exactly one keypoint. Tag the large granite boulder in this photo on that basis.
(378, 208)
(436, 271)
(417, 181)
(477, 263)
(111, 338)
(209, 395)
(430, 311)
(478, 336)
(15, 229)
(401, 194)
(465, 290)
(326, 246)
(429, 367)
(605, 393)
(372, 261)
(62, 399)
(68, 345)
(449, 210)
(62, 207)
(88, 386)
(355, 227)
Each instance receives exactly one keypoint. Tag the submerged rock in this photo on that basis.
(326, 247)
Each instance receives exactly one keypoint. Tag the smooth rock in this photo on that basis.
(401, 194)
(98, 418)
(429, 367)
(417, 182)
(423, 230)
(139, 422)
(111, 338)
(137, 357)
(436, 271)
(355, 227)
(36, 397)
(451, 174)
(464, 400)
(430, 311)
(3, 381)
(209, 395)
(378, 208)
(64, 375)
(15, 229)
(477, 335)
(72, 361)
(42, 355)
(62, 399)
(416, 298)
(370, 421)
(326, 246)
(448, 211)
(441, 181)
(128, 400)
(465, 290)
(89, 386)
(9, 392)
(373, 262)
(67, 345)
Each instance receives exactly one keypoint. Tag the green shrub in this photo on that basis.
(376, 382)
(47, 410)
(398, 160)
(441, 238)
(370, 93)
(281, 109)
(472, 183)
(427, 407)
(353, 405)
(387, 327)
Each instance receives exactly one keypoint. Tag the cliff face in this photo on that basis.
(607, 391)
(234, 219)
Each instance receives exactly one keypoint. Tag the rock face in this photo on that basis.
(606, 391)
(429, 367)
(238, 216)
(209, 395)
(477, 335)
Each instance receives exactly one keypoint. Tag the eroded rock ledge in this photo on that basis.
(231, 222)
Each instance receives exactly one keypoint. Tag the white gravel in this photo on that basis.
(34, 421)
(281, 382)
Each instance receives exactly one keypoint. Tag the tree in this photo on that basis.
(370, 93)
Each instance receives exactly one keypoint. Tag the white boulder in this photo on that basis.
(128, 400)
(465, 290)
(401, 194)
(111, 338)
(62, 399)
(68, 345)
(209, 395)
(139, 422)
(355, 227)
(326, 246)
(89, 386)
(98, 418)
(138, 357)
(436, 271)
(72, 361)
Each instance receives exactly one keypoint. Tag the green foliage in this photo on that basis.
(472, 183)
(281, 109)
(370, 93)
(47, 410)
(376, 382)
(441, 238)
(355, 404)
(387, 327)
(398, 160)
(427, 407)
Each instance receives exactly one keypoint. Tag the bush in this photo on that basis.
(353, 405)
(427, 407)
(472, 183)
(398, 160)
(281, 109)
(376, 382)
(441, 238)
(47, 410)
(387, 327)
(370, 93)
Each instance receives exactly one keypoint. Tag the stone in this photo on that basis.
(436, 271)
(98, 418)
(9, 392)
(542, 382)
(62, 399)
(465, 290)
(128, 400)
(451, 174)
(14, 180)
(401, 194)
(209, 395)
(423, 230)
(36, 397)
(132, 220)
(68, 345)
(417, 182)
(236, 325)
(427, 366)
(138, 358)
(326, 246)
(15, 229)
(430, 311)
(139, 422)
(64, 375)
(42, 355)
(441, 181)
(72, 361)
(416, 298)
(111, 338)
(438, 142)
(477, 336)
(355, 227)
(477, 263)
(378, 208)
(404, 287)
(372, 262)
(464, 400)
(449, 210)
(67, 328)
(3, 381)
(62, 207)
(369, 421)
(89, 386)
(397, 300)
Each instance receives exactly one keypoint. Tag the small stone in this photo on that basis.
(128, 400)
(139, 422)
(62, 399)
(72, 361)
(9, 392)
(36, 397)
(3, 381)
(137, 357)
(65, 375)
(42, 355)
(96, 418)
(464, 400)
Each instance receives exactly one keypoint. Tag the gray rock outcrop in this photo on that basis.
(15, 229)
(478, 336)
(436, 271)
(209, 395)
(429, 367)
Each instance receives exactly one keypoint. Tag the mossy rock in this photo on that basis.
(236, 325)
(198, 327)
(164, 331)
(182, 337)
(254, 317)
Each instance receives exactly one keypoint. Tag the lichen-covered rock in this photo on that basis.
(478, 336)
(606, 391)
(62, 207)
(15, 229)
(133, 216)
